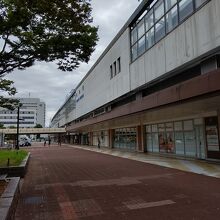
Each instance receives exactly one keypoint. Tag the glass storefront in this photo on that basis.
(184, 138)
(100, 137)
(125, 138)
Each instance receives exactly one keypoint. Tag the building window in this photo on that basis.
(119, 64)
(134, 35)
(149, 20)
(141, 46)
(162, 18)
(115, 68)
(199, 3)
(141, 29)
(185, 9)
(160, 29)
(171, 19)
(159, 10)
(111, 72)
(169, 4)
(150, 38)
(134, 52)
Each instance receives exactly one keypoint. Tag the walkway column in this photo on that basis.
(140, 138)
(91, 138)
(111, 134)
(218, 112)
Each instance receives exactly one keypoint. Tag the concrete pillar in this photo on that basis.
(218, 125)
(111, 134)
(91, 138)
(140, 138)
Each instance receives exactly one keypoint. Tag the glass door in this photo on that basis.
(212, 137)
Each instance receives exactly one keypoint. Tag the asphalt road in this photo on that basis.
(68, 183)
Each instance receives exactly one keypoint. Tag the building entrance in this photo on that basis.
(212, 137)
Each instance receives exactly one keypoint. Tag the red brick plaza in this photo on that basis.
(68, 183)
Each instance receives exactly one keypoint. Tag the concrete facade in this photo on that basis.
(162, 98)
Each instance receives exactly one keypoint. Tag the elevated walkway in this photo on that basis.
(33, 131)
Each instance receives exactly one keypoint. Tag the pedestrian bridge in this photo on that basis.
(33, 131)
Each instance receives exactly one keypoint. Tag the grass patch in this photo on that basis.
(15, 157)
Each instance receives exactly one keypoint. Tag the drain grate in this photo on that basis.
(34, 200)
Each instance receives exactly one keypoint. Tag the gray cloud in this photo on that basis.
(51, 85)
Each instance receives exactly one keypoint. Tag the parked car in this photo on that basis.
(24, 141)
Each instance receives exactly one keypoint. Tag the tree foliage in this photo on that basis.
(38, 126)
(7, 87)
(45, 30)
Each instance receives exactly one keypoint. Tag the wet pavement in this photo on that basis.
(72, 183)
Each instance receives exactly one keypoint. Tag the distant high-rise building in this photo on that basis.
(32, 112)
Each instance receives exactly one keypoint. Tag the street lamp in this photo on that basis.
(18, 119)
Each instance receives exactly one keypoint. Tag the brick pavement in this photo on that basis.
(68, 183)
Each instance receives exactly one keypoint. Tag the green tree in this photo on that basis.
(38, 126)
(6, 86)
(45, 30)
(2, 125)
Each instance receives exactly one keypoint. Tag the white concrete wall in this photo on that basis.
(195, 37)
(198, 35)
(99, 89)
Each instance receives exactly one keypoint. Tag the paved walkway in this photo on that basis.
(69, 183)
(194, 166)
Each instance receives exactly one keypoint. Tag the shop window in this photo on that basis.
(141, 46)
(171, 19)
(155, 142)
(159, 10)
(148, 128)
(188, 125)
(178, 126)
(149, 143)
(160, 29)
(154, 128)
(150, 38)
(190, 145)
(179, 143)
(199, 3)
(169, 4)
(185, 9)
(141, 29)
(149, 20)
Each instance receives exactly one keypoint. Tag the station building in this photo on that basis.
(156, 87)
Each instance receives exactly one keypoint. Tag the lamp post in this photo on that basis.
(17, 137)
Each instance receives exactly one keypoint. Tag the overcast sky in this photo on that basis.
(51, 85)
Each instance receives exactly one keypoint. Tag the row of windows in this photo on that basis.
(15, 117)
(161, 19)
(15, 112)
(125, 138)
(183, 138)
(115, 68)
(21, 123)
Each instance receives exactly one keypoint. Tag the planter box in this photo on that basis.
(9, 199)
(16, 171)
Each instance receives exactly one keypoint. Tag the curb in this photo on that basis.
(9, 199)
(16, 171)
